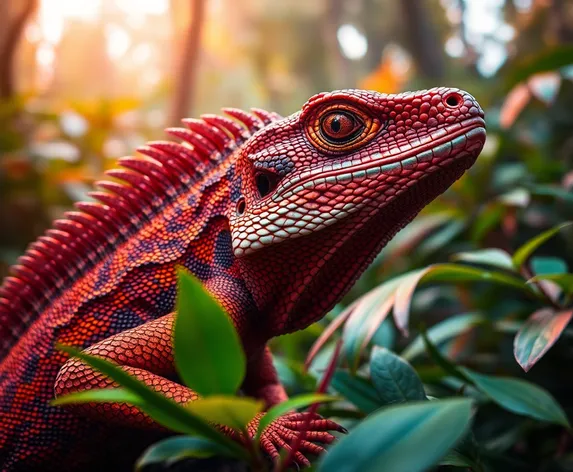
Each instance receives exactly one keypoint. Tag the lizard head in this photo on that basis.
(328, 186)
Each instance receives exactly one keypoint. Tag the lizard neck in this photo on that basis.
(295, 283)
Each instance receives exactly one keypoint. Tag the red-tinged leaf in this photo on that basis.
(377, 319)
(514, 103)
(327, 333)
(404, 294)
(366, 317)
(538, 334)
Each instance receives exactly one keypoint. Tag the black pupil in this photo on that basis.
(335, 124)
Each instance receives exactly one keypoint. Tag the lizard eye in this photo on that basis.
(339, 127)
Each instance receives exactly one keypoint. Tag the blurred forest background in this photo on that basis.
(83, 83)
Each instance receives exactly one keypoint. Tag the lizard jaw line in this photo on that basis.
(426, 151)
(282, 226)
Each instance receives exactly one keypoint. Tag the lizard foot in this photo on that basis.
(282, 432)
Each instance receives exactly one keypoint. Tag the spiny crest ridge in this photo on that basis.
(147, 183)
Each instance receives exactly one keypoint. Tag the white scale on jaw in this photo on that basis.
(293, 220)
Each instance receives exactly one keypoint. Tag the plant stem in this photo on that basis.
(324, 383)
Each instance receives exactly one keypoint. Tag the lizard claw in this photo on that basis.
(282, 432)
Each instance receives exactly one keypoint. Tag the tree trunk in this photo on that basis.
(12, 21)
(186, 76)
(422, 40)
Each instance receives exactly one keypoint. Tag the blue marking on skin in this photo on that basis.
(410, 162)
(442, 150)
(389, 167)
(223, 250)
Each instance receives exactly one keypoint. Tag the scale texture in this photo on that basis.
(276, 216)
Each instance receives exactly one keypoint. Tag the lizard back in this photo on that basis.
(147, 184)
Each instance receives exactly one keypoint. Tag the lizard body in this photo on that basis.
(276, 216)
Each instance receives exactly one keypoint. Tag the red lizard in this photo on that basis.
(276, 216)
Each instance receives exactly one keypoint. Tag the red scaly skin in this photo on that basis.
(277, 217)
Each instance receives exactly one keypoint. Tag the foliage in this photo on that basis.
(458, 332)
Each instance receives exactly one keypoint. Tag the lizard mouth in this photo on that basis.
(468, 135)
(452, 148)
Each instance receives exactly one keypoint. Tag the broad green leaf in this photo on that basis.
(395, 380)
(548, 266)
(538, 334)
(115, 395)
(445, 273)
(446, 365)
(356, 390)
(552, 191)
(519, 396)
(235, 412)
(492, 257)
(565, 281)
(461, 273)
(411, 437)
(548, 60)
(524, 252)
(173, 449)
(300, 401)
(208, 352)
(455, 458)
(163, 410)
(518, 197)
(486, 220)
(437, 334)
(385, 335)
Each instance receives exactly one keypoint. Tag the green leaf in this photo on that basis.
(411, 437)
(548, 60)
(208, 352)
(552, 191)
(446, 365)
(437, 334)
(461, 273)
(163, 410)
(446, 273)
(457, 459)
(171, 450)
(356, 390)
(235, 412)
(395, 380)
(548, 265)
(492, 257)
(518, 197)
(538, 334)
(115, 395)
(524, 252)
(300, 401)
(565, 281)
(519, 396)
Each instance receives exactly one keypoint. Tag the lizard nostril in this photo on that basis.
(453, 100)
(241, 205)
